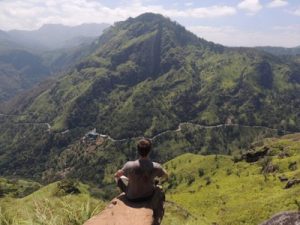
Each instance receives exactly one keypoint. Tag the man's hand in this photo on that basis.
(119, 173)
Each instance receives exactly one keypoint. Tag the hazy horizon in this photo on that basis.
(246, 23)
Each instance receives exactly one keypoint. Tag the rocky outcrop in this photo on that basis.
(284, 218)
(120, 211)
(283, 178)
(253, 156)
(291, 183)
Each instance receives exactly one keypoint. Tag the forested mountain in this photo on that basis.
(153, 70)
(147, 75)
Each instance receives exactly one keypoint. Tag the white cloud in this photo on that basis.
(231, 36)
(202, 12)
(277, 3)
(188, 4)
(296, 12)
(251, 6)
(31, 14)
(289, 28)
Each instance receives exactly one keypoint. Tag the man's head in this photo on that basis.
(144, 146)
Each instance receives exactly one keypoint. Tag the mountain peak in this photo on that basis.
(166, 29)
(149, 16)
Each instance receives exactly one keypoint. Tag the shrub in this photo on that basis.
(229, 172)
(201, 172)
(208, 180)
(190, 179)
(236, 159)
(65, 187)
(293, 166)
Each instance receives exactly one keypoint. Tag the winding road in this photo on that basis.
(179, 128)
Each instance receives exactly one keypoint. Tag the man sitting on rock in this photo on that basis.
(136, 179)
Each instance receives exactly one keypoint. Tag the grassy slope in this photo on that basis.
(44, 207)
(238, 193)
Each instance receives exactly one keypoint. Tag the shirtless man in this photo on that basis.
(140, 174)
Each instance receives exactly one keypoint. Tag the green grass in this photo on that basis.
(225, 192)
(45, 207)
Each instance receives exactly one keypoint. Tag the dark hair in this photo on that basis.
(144, 146)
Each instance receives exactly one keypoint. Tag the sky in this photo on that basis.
(228, 22)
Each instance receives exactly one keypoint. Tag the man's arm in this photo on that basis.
(122, 171)
(161, 172)
(165, 174)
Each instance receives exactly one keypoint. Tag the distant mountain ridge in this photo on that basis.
(19, 70)
(55, 36)
(281, 51)
(50, 49)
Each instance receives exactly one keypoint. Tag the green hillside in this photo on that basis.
(145, 77)
(215, 189)
(53, 204)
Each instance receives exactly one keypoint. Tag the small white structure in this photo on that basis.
(92, 135)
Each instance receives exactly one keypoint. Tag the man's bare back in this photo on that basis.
(141, 174)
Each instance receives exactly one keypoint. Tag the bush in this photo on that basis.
(190, 179)
(229, 172)
(65, 187)
(208, 180)
(236, 159)
(201, 172)
(293, 166)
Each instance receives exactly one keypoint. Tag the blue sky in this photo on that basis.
(228, 22)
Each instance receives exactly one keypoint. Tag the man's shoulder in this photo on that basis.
(131, 164)
(157, 165)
